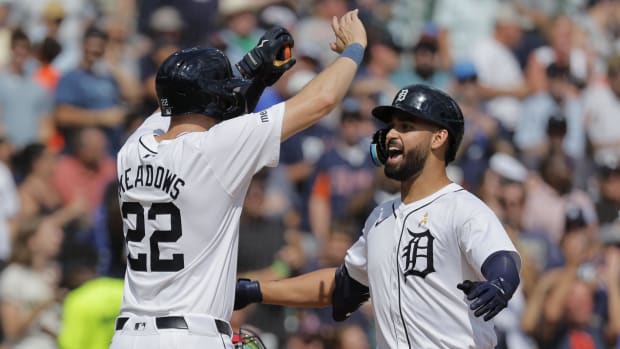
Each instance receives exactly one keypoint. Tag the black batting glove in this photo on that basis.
(247, 292)
(378, 147)
(270, 58)
(489, 297)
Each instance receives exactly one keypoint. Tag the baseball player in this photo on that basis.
(182, 185)
(436, 262)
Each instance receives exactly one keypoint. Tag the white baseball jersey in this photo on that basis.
(412, 256)
(181, 200)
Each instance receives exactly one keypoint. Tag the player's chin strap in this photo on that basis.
(378, 147)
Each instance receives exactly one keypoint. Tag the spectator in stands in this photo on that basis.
(121, 56)
(148, 70)
(561, 99)
(464, 22)
(9, 203)
(5, 33)
(46, 74)
(314, 30)
(551, 193)
(561, 311)
(598, 24)
(91, 96)
(24, 105)
(29, 290)
(540, 250)
(85, 172)
(340, 174)
(425, 66)
(561, 51)
(241, 32)
(63, 20)
(501, 79)
(484, 135)
(602, 110)
(300, 153)
(381, 60)
(108, 235)
(608, 202)
(35, 165)
(610, 238)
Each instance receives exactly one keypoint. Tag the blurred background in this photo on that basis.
(538, 82)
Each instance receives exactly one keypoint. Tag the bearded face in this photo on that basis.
(405, 163)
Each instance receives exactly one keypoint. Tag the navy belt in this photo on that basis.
(176, 322)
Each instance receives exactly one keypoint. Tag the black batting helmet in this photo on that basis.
(429, 104)
(199, 80)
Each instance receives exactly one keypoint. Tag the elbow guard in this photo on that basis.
(502, 265)
(348, 295)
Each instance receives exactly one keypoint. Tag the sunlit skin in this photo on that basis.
(416, 156)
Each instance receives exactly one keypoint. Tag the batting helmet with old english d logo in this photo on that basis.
(429, 104)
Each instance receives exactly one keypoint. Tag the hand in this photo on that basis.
(270, 58)
(489, 297)
(247, 292)
(348, 29)
(378, 147)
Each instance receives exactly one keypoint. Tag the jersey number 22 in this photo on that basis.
(138, 234)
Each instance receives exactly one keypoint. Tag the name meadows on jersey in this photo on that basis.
(148, 176)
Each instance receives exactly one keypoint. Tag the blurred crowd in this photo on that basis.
(538, 82)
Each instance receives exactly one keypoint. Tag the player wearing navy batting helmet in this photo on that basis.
(436, 262)
(184, 173)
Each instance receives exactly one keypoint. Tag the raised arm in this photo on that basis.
(328, 88)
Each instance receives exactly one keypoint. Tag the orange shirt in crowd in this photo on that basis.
(47, 76)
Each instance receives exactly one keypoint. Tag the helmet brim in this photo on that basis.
(385, 112)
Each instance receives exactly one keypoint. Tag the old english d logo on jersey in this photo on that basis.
(418, 254)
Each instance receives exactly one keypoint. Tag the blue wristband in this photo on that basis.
(355, 51)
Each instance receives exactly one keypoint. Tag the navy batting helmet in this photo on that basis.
(429, 104)
(199, 80)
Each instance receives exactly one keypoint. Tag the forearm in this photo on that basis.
(520, 91)
(65, 215)
(312, 290)
(319, 97)
(68, 115)
(554, 307)
(535, 304)
(16, 323)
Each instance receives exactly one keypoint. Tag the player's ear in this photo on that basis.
(439, 138)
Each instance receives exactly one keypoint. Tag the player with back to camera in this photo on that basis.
(436, 262)
(182, 186)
